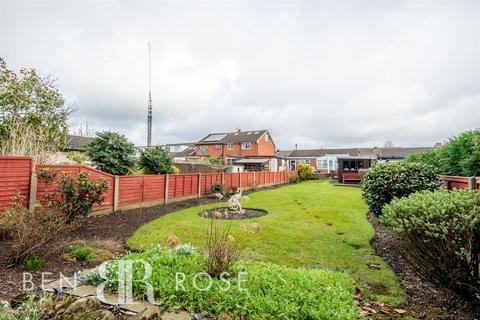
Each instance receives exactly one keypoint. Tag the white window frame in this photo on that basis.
(218, 146)
(230, 146)
(244, 145)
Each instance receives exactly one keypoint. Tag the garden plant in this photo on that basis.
(389, 180)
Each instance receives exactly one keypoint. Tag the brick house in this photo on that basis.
(254, 150)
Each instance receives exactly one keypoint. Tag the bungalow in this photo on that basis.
(252, 150)
(180, 152)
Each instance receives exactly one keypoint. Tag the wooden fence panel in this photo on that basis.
(130, 190)
(15, 174)
(451, 182)
(154, 188)
(247, 180)
(182, 185)
(208, 180)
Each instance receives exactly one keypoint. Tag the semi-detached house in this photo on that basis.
(253, 150)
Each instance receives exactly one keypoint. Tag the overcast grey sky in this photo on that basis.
(316, 73)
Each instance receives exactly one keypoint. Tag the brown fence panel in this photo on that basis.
(15, 173)
(260, 178)
(182, 185)
(154, 188)
(451, 182)
(227, 183)
(236, 180)
(107, 195)
(208, 180)
(477, 183)
(247, 180)
(130, 190)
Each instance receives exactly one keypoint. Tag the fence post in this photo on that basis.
(223, 178)
(33, 189)
(116, 193)
(471, 183)
(254, 180)
(240, 180)
(165, 197)
(199, 185)
(274, 178)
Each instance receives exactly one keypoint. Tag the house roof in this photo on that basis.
(77, 143)
(283, 153)
(314, 153)
(256, 161)
(399, 152)
(232, 137)
(190, 151)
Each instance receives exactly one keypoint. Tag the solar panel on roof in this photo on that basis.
(215, 137)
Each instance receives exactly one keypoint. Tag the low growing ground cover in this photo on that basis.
(272, 291)
(309, 225)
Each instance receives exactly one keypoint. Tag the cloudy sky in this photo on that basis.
(316, 73)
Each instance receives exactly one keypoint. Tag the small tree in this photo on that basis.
(156, 160)
(33, 117)
(305, 171)
(111, 152)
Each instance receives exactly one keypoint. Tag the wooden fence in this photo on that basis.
(452, 182)
(18, 177)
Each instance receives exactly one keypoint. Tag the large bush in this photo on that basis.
(305, 171)
(111, 152)
(459, 157)
(156, 160)
(389, 180)
(441, 235)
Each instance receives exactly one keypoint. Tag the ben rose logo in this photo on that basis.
(202, 281)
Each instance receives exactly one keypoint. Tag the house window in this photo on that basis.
(322, 163)
(203, 150)
(247, 145)
(218, 146)
(230, 146)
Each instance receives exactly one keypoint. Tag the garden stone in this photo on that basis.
(82, 305)
(94, 315)
(151, 313)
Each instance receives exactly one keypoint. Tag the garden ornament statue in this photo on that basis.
(234, 202)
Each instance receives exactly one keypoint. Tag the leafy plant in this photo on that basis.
(305, 171)
(273, 291)
(33, 117)
(218, 187)
(213, 160)
(156, 160)
(441, 235)
(185, 249)
(389, 180)
(32, 308)
(82, 254)
(78, 157)
(34, 264)
(111, 152)
(74, 195)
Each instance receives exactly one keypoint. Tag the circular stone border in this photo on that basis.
(249, 213)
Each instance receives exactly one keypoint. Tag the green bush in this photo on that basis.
(218, 187)
(305, 171)
(34, 264)
(111, 152)
(389, 180)
(459, 157)
(156, 160)
(82, 254)
(76, 195)
(441, 235)
(273, 291)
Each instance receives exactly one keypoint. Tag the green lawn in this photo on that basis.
(311, 224)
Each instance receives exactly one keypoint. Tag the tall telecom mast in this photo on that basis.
(149, 118)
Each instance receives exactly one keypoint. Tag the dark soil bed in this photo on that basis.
(116, 227)
(224, 213)
(425, 300)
